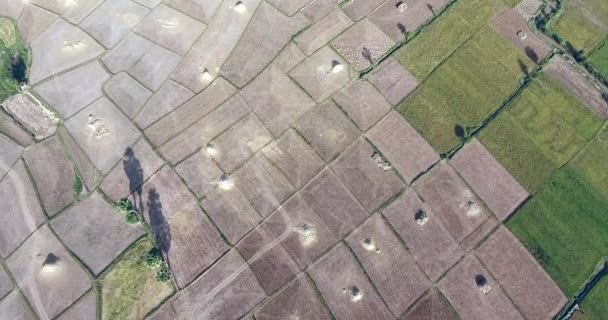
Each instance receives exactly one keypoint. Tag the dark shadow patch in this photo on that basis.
(531, 54)
(430, 7)
(578, 55)
(367, 54)
(459, 131)
(402, 28)
(524, 68)
(480, 280)
(158, 223)
(18, 69)
(135, 174)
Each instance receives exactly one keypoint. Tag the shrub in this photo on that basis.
(154, 258)
(163, 275)
(124, 206)
(133, 217)
(78, 186)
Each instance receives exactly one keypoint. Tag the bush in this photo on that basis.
(163, 275)
(154, 258)
(78, 186)
(124, 206)
(133, 217)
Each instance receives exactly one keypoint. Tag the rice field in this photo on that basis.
(469, 86)
(442, 38)
(550, 225)
(584, 23)
(591, 164)
(540, 131)
(599, 59)
(511, 3)
(517, 152)
(594, 306)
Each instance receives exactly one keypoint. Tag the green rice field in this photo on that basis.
(442, 38)
(600, 59)
(540, 131)
(564, 225)
(595, 306)
(584, 23)
(466, 89)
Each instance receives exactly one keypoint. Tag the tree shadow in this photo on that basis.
(18, 69)
(430, 7)
(524, 68)
(135, 174)
(578, 55)
(531, 54)
(459, 131)
(158, 223)
(367, 54)
(402, 28)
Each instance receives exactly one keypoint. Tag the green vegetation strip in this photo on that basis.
(14, 59)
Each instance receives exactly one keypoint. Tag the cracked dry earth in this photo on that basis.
(278, 183)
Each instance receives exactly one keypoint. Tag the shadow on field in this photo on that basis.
(158, 223)
(524, 68)
(459, 131)
(531, 54)
(430, 7)
(135, 174)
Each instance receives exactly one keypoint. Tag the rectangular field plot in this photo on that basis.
(475, 294)
(517, 153)
(591, 163)
(529, 287)
(494, 185)
(550, 225)
(391, 268)
(456, 205)
(345, 287)
(600, 59)
(553, 136)
(227, 290)
(433, 306)
(428, 241)
(298, 300)
(542, 130)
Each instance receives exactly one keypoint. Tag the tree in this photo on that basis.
(154, 258)
(163, 275)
